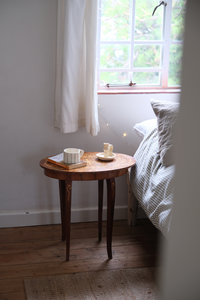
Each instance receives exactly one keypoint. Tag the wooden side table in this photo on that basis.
(95, 170)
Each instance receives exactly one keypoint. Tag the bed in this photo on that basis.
(151, 180)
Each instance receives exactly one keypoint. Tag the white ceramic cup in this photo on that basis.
(72, 155)
(106, 149)
(110, 150)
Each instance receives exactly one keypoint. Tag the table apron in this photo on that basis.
(85, 176)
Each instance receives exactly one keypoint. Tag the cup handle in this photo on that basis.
(81, 152)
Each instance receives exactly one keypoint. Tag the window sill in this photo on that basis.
(110, 91)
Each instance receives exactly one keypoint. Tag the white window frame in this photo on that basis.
(166, 42)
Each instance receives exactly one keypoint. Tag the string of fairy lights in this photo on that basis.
(108, 124)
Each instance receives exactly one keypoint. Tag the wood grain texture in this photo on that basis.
(39, 251)
(95, 169)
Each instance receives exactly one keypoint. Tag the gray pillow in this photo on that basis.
(166, 113)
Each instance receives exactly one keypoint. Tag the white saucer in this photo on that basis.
(102, 157)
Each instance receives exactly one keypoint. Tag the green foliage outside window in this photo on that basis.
(177, 34)
(147, 56)
(175, 65)
(178, 17)
(116, 20)
(115, 56)
(148, 27)
(116, 26)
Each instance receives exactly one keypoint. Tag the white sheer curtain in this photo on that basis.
(76, 93)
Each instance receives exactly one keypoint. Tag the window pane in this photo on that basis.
(147, 56)
(148, 27)
(177, 22)
(115, 56)
(146, 78)
(175, 62)
(116, 19)
(113, 77)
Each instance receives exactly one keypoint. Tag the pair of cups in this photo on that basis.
(72, 155)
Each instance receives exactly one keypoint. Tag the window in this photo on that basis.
(135, 46)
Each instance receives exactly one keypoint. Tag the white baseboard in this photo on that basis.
(44, 217)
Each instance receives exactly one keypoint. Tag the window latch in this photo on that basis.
(119, 85)
(161, 3)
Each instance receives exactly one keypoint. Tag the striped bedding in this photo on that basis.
(152, 183)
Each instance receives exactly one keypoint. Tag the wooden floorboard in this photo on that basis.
(39, 251)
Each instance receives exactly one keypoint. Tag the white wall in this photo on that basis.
(27, 133)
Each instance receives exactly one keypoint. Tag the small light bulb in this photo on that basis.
(107, 124)
(124, 134)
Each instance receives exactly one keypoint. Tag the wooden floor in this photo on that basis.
(38, 251)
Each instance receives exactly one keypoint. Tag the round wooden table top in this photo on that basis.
(95, 169)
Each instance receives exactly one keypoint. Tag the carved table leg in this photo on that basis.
(110, 213)
(65, 188)
(100, 207)
(62, 206)
(68, 193)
